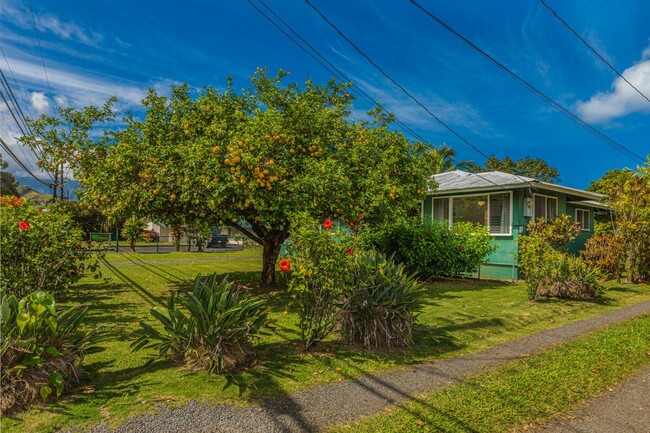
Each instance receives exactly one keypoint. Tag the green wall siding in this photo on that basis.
(500, 263)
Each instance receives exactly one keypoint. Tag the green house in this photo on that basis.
(506, 203)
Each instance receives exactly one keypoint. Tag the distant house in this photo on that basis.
(160, 228)
(506, 203)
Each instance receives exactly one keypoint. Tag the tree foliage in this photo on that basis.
(8, 183)
(257, 156)
(59, 139)
(530, 167)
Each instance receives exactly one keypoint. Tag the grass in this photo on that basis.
(530, 391)
(460, 316)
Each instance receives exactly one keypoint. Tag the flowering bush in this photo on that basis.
(432, 248)
(41, 249)
(320, 277)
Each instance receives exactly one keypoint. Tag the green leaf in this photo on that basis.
(45, 392)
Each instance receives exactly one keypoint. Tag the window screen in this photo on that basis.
(440, 209)
(500, 213)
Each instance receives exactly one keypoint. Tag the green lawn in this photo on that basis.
(525, 392)
(460, 316)
(152, 256)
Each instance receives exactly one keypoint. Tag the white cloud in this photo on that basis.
(21, 16)
(622, 99)
(76, 86)
(40, 102)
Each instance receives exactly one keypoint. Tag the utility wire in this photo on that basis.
(332, 68)
(12, 112)
(40, 49)
(19, 91)
(38, 151)
(392, 80)
(14, 102)
(593, 50)
(9, 129)
(367, 97)
(609, 141)
(20, 163)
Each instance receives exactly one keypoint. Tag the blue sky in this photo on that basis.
(96, 49)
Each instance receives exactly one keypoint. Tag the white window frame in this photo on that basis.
(546, 197)
(588, 220)
(451, 209)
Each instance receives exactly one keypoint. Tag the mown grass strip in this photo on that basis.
(532, 390)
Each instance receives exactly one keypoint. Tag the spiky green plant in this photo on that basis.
(384, 300)
(213, 331)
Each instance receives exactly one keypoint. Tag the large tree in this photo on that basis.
(254, 159)
(611, 181)
(536, 168)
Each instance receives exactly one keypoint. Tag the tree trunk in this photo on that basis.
(177, 239)
(271, 249)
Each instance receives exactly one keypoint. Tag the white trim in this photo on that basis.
(421, 203)
(575, 218)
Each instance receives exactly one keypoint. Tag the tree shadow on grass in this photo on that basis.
(453, 288)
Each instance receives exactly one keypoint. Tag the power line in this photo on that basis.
(609, 141)
(15, 102)
(22, 97)
(593, 50)
(392, 80)
(332, 68)
(40, 49)
(12, 112)
(20, 163)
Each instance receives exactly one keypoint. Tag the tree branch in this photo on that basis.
(247, 232)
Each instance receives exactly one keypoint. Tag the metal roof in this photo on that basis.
(461, 181)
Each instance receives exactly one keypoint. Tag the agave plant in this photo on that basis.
(384, 300)
(212, 331)
(41, 349)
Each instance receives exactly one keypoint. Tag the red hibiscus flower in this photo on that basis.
(15, 201)
(427, 232)
(349, 251)
(327, 224)
(460, 248)
(23, 225)
(285, 265)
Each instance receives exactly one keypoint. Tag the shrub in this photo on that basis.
(150, 236)
(42, 250)
(133, 230)
(547, 267)
(380, 309)
(431, 248)
(607, 253)
(568, 277)
(320, 264)
(42, 349)
(214, 335)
